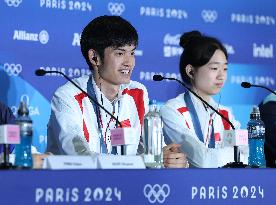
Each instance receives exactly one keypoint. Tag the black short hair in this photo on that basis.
(198, 50)
(106, 31)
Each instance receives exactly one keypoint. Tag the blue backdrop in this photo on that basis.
(45, 34)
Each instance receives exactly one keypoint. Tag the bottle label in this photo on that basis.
(26, 129)
(256, 132)
(153, 134)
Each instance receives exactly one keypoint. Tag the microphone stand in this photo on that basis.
(41, 72)
(236, 163)
(6, 164)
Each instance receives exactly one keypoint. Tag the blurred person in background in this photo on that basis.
(268, 116)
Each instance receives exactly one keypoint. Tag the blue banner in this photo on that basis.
(45, 34)
(167, 186)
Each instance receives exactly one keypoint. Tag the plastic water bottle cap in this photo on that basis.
(23, 109)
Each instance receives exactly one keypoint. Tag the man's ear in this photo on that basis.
(93, 57)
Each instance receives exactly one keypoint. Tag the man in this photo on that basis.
(268, 115)
(77, 126)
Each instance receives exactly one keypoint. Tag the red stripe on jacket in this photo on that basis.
(79, 99)
(182, 110)
(225, 113)
(125, 123)
(138, 97)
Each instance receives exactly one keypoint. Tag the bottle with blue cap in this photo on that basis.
(23, 152)
(153, 137)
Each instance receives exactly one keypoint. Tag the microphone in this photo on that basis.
(249, 85)
(40, 72)
(245, 84)
(158, 78)
(237, 163)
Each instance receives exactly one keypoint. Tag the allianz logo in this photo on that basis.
(42, 36)
(262, 51)
(171, 39)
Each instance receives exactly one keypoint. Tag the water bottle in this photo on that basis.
(23, 152)
(153, 137)
(256, 138)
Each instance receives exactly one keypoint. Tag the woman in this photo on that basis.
(188, 122)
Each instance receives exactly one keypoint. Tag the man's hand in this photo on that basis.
(173, 157)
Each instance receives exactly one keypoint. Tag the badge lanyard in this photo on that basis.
(92, 93)
(196, 123)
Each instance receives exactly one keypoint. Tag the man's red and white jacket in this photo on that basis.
(73, 127)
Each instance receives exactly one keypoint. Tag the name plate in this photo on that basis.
(123, 136)
(9, 134)
(235, 137)
(70, 162)
(120, 162)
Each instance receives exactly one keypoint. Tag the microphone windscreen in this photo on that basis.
(158, 78)
(245, 85)
(40, 72)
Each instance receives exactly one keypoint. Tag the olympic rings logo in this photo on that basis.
(12, 69)
(116, 8)
(156, 193)
(14, 3)
(209, 16)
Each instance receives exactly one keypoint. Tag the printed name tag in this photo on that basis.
(235, 137)
(120, 162)
(70, 162)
